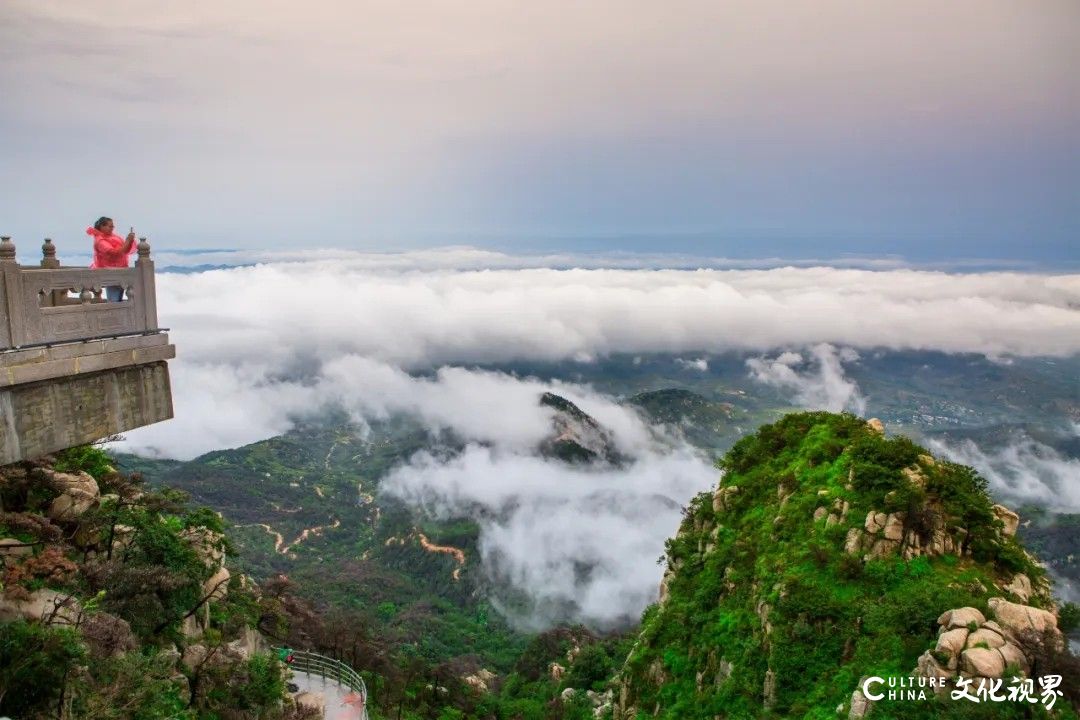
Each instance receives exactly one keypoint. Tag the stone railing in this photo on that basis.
(53, 304)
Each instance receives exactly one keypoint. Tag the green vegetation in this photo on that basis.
(421, 601)
(34, 663)
(1069, 617)
(84, 458)
(416, 622)
(705, 423)
(108, 595)
(766, 613)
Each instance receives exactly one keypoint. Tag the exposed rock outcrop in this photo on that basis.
(217, 586)
(15, 548)
(1009, 519)
(48, 606)
(664, 586)
(961, 618)
(860, 705)
(194, 655)
(207, 544)
(1020, 586)
(769, 690)
(723, 496)
(1022, 620)
(875, 522)
(982, 662)
(135, 580)
(481, 680)
(576, 436)
(971, 646)
(78, 493)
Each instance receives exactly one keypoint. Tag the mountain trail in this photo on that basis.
(317, 530)
(457, 553)
(279, 541)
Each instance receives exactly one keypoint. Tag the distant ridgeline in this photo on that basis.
(830, 555)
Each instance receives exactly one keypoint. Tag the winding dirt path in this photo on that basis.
(309, 532)
(457, 553)
(279, 541)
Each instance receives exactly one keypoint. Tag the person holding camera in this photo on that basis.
(111, 251)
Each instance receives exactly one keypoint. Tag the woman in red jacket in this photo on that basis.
(110, 251)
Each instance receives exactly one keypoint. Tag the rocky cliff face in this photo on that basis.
(121, 598)
(829, 553)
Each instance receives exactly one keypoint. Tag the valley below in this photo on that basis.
(369, 517)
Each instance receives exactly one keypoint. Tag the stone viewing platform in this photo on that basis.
(75, 368)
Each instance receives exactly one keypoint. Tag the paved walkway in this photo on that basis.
(341, 702)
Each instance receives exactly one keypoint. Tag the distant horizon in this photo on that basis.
(595, 254)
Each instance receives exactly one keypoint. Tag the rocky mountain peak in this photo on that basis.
(827, 551)
(576, 437)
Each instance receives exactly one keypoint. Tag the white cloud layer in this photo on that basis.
(1025, 471)
(580, 544)
(258, 344)
(817, 381)
(699, 364)
(416, 317)
(541, 520)
(263, 345)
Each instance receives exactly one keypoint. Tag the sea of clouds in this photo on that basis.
(263, 345)
(1024, 471)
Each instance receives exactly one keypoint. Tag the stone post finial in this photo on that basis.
(48, 255)
(7, 249)
(144, 248)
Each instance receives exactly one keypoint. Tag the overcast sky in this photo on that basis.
(802, 128)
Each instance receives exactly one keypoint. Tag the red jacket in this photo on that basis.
(109, 250)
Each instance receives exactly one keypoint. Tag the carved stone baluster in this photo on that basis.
(7, 249)
(48, 253)
(13, 333)
(144, 249)
(49, 262)
(145, 291)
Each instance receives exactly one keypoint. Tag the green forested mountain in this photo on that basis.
(306, 505)
(829, 553)
(910, 389)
